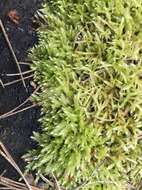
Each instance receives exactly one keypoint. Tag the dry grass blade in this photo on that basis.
(8, 183)
(16, 108)
(17, 74)
(12, 185)
(24, 63)
(12, 52)
(19, 111)
(18, 80)
(8, 157)
(2, 83)
(47, 181)
(56, 183)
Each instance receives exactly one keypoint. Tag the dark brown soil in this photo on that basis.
(15, 131)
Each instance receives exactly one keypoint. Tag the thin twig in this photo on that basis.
(12, 52)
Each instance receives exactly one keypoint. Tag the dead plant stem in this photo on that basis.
(12, 52)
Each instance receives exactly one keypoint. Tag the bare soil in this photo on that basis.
(16, 130)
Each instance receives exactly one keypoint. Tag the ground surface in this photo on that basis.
(15, 131)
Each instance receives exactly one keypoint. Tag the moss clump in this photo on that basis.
(89, 64)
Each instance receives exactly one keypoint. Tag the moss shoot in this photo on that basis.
(89, 66)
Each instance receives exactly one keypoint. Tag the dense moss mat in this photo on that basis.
(89, 65)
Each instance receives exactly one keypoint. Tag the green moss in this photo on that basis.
(88, 63)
